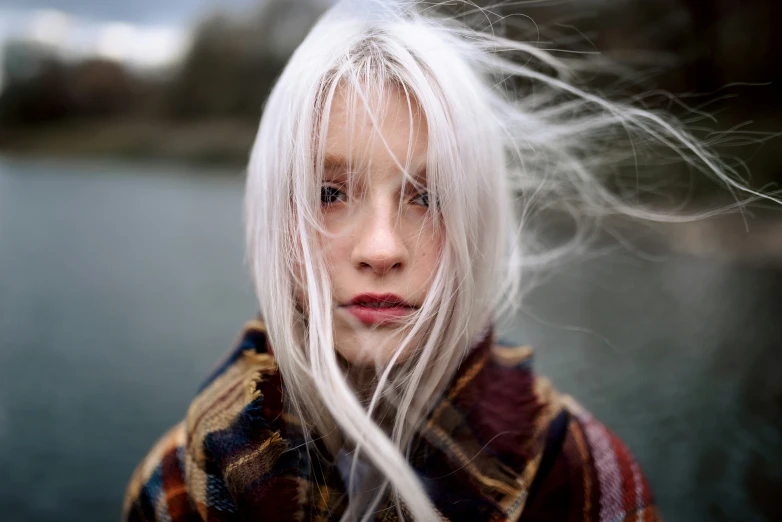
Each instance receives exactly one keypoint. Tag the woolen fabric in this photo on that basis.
(499, 445)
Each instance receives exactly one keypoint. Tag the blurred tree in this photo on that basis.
(34, 85)
(42, 89)
(685, 47)
(100, 88)
(233, 63)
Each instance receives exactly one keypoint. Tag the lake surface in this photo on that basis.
(122, 285)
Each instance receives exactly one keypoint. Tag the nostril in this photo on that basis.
(380, 266)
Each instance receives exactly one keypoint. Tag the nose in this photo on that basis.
(379, 246)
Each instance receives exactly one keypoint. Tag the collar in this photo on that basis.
(476, 454)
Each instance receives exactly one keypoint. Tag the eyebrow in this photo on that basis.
(333, 162)
(420, 174)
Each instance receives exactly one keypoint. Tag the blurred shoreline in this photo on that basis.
(216, 142)
(204, 109)
(750, 236)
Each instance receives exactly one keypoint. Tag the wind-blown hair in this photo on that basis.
(494, 151)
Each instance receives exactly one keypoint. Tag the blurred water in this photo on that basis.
(120, 286)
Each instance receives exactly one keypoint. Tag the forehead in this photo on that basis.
(378, 127)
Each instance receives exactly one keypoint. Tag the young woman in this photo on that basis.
(397, 159)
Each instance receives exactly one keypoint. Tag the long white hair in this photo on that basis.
(508, 131)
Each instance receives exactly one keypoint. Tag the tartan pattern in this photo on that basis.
(500, 445)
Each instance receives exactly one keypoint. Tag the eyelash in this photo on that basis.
(327, 192)
(424, 196)
(330, 195)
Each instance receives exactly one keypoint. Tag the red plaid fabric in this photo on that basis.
(500, 445)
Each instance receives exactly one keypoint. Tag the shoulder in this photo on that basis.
(246, 373)
(251, 346)
(156, 490)
(182, 476)
(577, 469)
(587, 473)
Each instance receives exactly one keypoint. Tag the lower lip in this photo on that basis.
(377, 315)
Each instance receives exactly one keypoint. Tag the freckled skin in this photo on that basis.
(380, 236)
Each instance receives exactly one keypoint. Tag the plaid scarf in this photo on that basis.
(500, 445)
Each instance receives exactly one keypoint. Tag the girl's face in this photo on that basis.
(382, 247)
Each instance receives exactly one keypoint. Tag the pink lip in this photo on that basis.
(379, 309)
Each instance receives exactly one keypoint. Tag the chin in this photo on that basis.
(366, 346)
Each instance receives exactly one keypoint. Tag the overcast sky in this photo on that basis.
(153, 12)
(143, 33)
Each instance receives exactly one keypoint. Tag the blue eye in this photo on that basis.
(422, 199)
(330, 195)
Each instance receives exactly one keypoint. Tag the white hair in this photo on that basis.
(495, 152)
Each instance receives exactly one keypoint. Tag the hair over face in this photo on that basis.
(491, 153)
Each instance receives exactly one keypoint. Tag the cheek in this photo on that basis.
(336, 250)
(426, 256)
